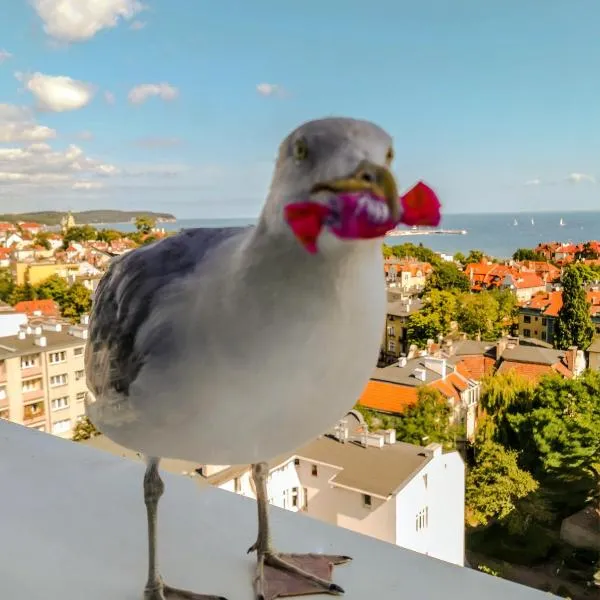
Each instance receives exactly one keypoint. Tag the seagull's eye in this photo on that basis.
(300, 150)
(389, 157)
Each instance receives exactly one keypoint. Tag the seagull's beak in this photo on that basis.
(368, 177)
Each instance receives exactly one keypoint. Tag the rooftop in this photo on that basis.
(93, 523)
(13, 345)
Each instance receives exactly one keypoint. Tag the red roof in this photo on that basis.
(48, 308)
(532, 371)
(388, 397)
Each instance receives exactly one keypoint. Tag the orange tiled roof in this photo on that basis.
(30, 225)
(48, 308)
(533, 372)
(548, 303)
(475, 366)
(388, 397)
(525, 280)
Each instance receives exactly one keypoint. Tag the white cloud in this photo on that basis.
(533, 182)
(17, 125)
(270, 89)
(141, 93)
(137, 25)
(109, 97)
(581, 178)
(39, 164)
(79, 20)
(57, 93)
(4, 55)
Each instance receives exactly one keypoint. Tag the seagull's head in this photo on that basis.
(333, 186)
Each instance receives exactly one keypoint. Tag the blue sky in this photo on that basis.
(496, 105)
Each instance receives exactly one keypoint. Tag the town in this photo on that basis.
(476, 440)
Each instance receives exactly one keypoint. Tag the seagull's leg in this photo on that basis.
(155, 588)
(279, 575)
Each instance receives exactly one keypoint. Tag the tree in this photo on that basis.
(409, 250)
(55, 288)
(447, 276)
(574, 324)
(508, 310)
(433, 319)
(587, 252)
(109, 235)
(501, 393)
(528, 254)
(559, 430)
(77, 302)
(84, 233)
(474, 256)
(495, 483)
(478, 315)
(426, 421)
(7, 286)
(23, 293)
(42, 239)
(459, 257)
(84, 430)
(144, 224)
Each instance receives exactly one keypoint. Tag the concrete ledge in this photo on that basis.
(73, 526)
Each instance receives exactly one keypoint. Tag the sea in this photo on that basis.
(498, 235)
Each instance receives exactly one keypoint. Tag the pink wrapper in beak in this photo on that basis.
(361, 215)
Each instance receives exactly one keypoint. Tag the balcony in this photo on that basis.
(33, 395)
(204, 535)
(33, 413)
(2, 372)
(31, 371)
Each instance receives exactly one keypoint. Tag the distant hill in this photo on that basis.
(86, 216)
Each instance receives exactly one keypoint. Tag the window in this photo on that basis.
(422, 519)
(78, 351)
(544, 321)
(527, 332)
(60, 403)
(535, 319)
(391, 346)
(4, 413)
(2, 392)
(31, 385)
(297, 462)
(58, 380)
(81, 396)
(79, 375)
(61, 426)
(526, 319)
(237, 485)
(367, 501)
(304, 498)
(295, 496)
(29, 361)
(391, 330)
(543, 336)
(425, 477)
(315, 471)
(57, 357)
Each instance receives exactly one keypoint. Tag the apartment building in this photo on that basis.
(394, 343)
(404, 494)
(42, 377)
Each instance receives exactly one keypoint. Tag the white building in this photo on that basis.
(399, 493)
(10, 320)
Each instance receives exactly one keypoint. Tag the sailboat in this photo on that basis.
(515, 223)
(562, 223)
(532, 222)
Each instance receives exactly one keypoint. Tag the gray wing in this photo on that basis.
(126, 296)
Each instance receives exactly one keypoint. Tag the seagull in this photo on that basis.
(234, 345)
